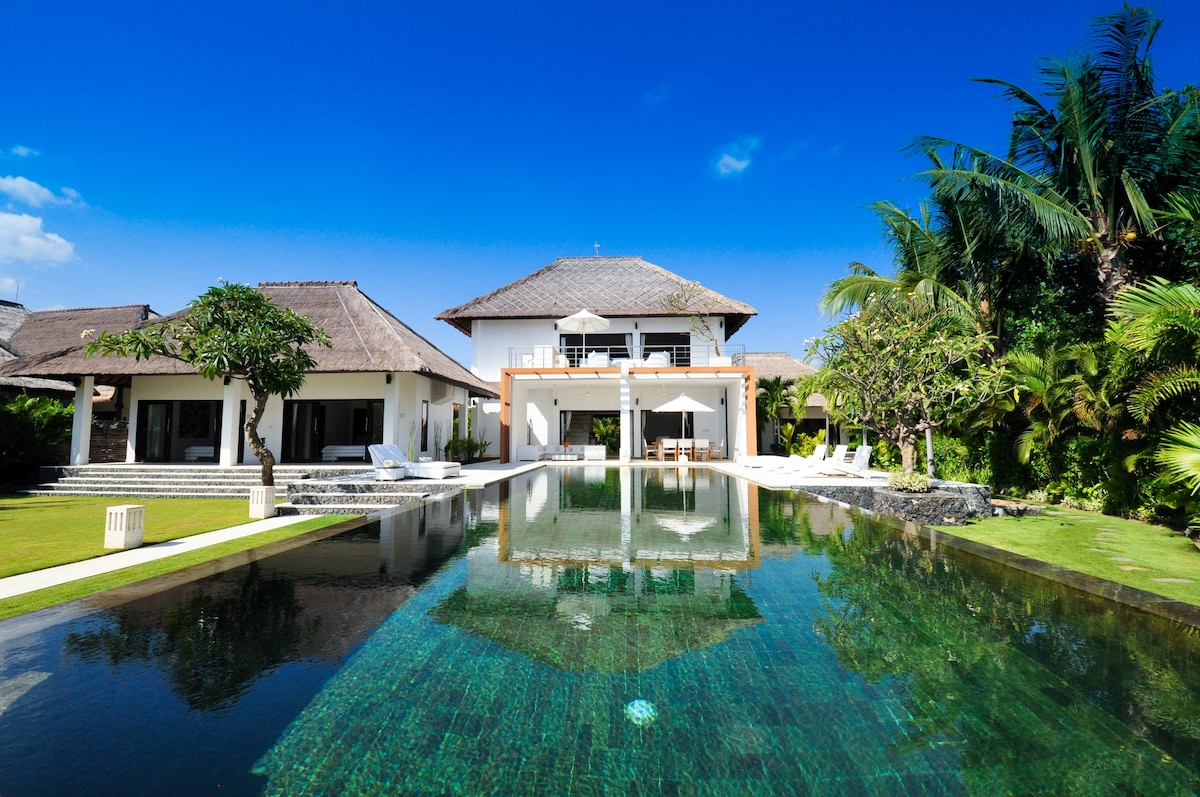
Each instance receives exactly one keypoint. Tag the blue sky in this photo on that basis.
(434, 152)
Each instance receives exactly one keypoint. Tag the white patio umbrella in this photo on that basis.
(683, 403)
(583, 322)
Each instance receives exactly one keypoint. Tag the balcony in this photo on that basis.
(702, 356)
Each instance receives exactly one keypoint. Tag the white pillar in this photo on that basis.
(740, 440)
(230, 431)
(391, 411)
(464, 405)
(81, 424)
(626, 419)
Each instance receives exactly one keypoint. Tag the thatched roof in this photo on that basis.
(771, 364)
(613, 287)
(366, 338)
(49, 332)
(58, 330)
(12, 315)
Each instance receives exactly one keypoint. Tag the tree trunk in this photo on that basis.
(265, 457)
(1112, 272)
(907, 443)
(929, 452)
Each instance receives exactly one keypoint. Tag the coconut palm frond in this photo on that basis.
(1052, 212)
(849, 293)
(1153, 308)
(1162, 386)
(1181, 455)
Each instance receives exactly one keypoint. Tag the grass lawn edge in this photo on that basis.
(126, 583)
(1176, 602)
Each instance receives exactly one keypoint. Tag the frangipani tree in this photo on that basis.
(900, 370)
(231, 331)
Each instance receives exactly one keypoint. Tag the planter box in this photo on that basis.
(262, 502)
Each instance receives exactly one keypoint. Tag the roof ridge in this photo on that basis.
(99, 307)
(307, 283)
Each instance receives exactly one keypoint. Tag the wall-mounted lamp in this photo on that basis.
(228, 379)
(722, 399)
(635, 325)
(388, 379)
(721, 324)
(637, 401)
(556, 402)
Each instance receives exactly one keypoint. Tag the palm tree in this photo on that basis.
(1058, 391)
(772, 396)
(1090, 170)
(1161, 321)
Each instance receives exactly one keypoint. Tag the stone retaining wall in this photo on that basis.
(950, 504)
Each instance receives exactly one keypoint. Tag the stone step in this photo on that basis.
(382, 498)
(151, 487)
(83, 482)
(133, 493)
(331, 509)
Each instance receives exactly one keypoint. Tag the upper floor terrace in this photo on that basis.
(627, 355)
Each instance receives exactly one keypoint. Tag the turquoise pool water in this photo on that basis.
(591, 631)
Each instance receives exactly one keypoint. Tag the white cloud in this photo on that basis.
(34, 195)
(728, 165)
(8, 285)
(734, 158)
(26, 191)
(23, 152)
(22, 240)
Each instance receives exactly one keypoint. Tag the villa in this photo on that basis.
(380, 381)
(658, 337)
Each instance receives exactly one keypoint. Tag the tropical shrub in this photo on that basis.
(32, 426)
(908, 482)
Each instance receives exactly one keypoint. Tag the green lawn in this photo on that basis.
(43, 531)
(1140, 555)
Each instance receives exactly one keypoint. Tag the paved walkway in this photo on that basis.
(53, 576)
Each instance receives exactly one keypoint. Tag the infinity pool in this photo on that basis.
(583, 631)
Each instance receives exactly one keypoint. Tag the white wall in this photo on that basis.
(410, 390)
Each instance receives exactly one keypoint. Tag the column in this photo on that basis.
(81, 424)
(464, 403)
(626, 419)
(391, 411)
(230, 431)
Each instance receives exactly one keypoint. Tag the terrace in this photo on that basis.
(627, 355)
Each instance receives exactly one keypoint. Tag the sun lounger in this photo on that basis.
(859, 467)
(390, 460)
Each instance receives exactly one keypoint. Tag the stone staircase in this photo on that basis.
(180, 481)
(354, 496)
(310, 489)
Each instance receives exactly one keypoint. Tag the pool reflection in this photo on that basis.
(611, 569)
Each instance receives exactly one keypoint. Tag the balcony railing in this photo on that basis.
(651, 356)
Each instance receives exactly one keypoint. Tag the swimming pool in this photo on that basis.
(604, 631)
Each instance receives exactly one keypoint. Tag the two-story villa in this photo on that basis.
(659, 337)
